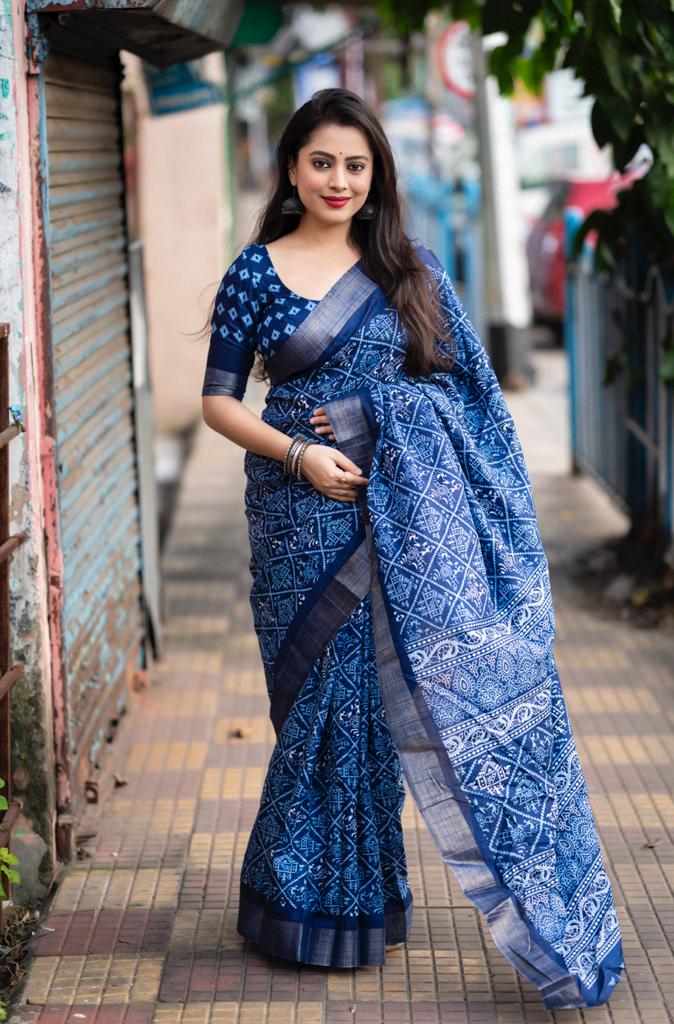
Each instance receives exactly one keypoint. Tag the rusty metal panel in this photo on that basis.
(99, 518)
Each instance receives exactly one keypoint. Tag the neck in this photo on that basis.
(316, 234)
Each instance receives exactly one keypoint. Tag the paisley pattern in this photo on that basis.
(450, 652)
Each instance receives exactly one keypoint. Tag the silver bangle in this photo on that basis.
(301, 456)
(291, 454)
(295, 458)
(290, 451)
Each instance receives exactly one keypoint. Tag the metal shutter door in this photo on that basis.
(93, 395)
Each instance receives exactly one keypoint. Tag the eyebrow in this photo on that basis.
(321, 152)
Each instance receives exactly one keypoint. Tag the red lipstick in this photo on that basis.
(334, 201)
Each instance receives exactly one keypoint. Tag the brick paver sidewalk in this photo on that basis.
(144, 928)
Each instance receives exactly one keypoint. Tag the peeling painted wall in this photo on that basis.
(32, 725)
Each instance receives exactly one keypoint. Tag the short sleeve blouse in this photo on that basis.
(236, 311)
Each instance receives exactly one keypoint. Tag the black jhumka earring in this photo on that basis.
(366, 212)
(293, 205)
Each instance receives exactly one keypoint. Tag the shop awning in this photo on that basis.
(162, 32)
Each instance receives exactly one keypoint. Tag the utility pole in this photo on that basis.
(507, 293)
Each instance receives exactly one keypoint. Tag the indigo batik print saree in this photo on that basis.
(406, 635)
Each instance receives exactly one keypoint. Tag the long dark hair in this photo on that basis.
(388, 256)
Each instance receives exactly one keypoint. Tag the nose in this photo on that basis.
(338, 178)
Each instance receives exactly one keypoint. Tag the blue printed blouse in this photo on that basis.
(253, 310)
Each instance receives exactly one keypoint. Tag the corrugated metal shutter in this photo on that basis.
(93, 391)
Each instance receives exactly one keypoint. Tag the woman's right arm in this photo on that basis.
(235, 421)
(322, 466)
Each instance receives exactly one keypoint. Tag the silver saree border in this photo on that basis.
(429, 773)
(341, 596)
(321, 326)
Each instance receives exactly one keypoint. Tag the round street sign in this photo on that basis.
(454, 59)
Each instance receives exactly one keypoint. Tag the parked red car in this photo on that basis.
(545, 242)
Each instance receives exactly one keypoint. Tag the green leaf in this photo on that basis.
(624, 149)
(657, 185)
(659, 138)
(552, 8)
(613, 60)
(667, 365)
(597, 219)
(500, 60)
(3, 803)
(659, 39)
(613, 117)
(575, 51)
(602, 126)
(669, 209)
(616, 11)
(7, 857)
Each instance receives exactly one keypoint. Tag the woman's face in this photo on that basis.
(335, 163)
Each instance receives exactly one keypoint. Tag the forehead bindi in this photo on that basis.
(331, 156)
(347, 144)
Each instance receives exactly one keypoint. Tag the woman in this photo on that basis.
(400, 591)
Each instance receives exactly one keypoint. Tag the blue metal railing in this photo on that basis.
(445, 216)
(622, 430)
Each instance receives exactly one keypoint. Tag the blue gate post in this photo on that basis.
(443, 216)
(572, 220)
(474, 299)
(431, 216)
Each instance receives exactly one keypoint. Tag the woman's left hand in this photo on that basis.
(322, 423)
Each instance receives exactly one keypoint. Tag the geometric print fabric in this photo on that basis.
(466, 583)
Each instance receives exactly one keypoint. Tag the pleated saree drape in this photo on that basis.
(435, 586)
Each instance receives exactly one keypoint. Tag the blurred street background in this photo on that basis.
(137, 150)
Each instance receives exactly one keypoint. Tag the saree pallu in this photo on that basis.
(439, 573)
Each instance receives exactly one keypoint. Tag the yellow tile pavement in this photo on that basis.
(147, 920)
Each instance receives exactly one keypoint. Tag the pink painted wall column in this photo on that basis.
(23, 280)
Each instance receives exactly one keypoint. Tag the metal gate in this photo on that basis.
(101, 618)
(622, 431)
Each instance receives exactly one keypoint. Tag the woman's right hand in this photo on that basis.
(326, 467)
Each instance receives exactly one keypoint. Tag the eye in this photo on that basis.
(319, 161)
(359, 166)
